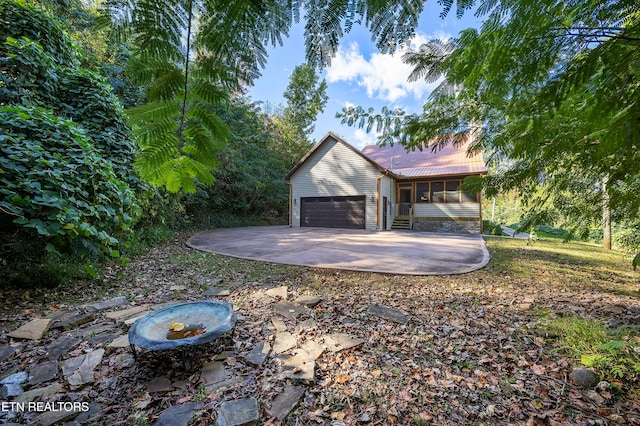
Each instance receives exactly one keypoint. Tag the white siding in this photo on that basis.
(471, 210)
(387, 189)
(335, 170)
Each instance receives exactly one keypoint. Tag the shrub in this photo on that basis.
(492, 228)
(55, 183)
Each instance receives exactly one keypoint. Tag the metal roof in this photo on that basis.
(449, 160)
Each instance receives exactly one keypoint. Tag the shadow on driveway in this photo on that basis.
(393, 252)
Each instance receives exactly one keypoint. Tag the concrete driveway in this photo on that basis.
(393, 252)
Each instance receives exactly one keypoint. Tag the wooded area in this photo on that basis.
(549, 91)
(83, 177)
(124, 128)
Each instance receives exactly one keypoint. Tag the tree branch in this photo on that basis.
(186, 70)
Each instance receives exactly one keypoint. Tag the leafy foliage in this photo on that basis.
(554, 87)
(19, 20)
(54, 182)
(191, 54)
(250, 177)
(612, 351)
(306, 98)
(66, 159)
(492, 228)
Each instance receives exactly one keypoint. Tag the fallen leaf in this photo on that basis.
(142, 401)
(425, 416)
(538, 369)
(184, 399)
(342, 378)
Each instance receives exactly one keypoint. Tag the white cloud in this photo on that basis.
(362, 138)
(383, 76)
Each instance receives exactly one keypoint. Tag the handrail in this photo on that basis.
(404, 209)
(411, 217)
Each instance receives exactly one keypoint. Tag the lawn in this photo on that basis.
(476, 349)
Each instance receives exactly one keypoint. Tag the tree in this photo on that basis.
(306, 98)
(555, 85)
(65, 160)
(249, 180)
(191, 54)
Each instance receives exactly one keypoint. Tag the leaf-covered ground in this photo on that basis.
(472, 351)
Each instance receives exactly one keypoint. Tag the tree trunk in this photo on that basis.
(606, 215)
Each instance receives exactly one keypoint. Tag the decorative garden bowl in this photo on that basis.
(214, 317)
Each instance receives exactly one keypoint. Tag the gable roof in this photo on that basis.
(398, 163)
(326, 139)
(449, 160)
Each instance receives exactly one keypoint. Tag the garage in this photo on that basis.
(333, 212)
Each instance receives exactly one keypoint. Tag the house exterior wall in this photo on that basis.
(466, 210)
(387, 189)
(335, 170)
(465, 217)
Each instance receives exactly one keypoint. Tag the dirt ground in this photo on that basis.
(464, 349)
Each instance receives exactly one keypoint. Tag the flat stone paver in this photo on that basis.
(239, 412)
(396, 252)
(388, 313)
(179, 415)
(159, 384)
(337, 342)
(44, 372)
(125, 313)
(106, 304)
(33, 330)
(290, 310)
(79, 370)
(71, 319)
(61, 346)
(120, 342)
(309, 301)
(216, 292)
(32, 394)
(213, 372)
(280, 292)
(286, 401)
(258, 355)
(283, 342)
(6, 351)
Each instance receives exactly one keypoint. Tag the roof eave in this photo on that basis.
(324, 139)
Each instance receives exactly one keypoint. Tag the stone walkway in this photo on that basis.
(91, 341)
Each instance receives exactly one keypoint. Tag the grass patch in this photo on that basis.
(613, 352)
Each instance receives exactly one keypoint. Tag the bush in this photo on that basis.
(492, 228)
(53, 182)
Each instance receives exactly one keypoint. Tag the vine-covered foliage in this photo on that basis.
(65, 159)
(55, 182)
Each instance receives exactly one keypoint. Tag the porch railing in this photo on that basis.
(405, 210)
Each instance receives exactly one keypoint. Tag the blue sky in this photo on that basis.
(359, 74)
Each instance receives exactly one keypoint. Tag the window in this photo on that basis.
(437, 192)
(452, 195)
(422, 193)
(448, 191)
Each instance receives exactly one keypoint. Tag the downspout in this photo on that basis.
(290, 205)
(378, 198)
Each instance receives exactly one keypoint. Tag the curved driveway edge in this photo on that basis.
(392, 252)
